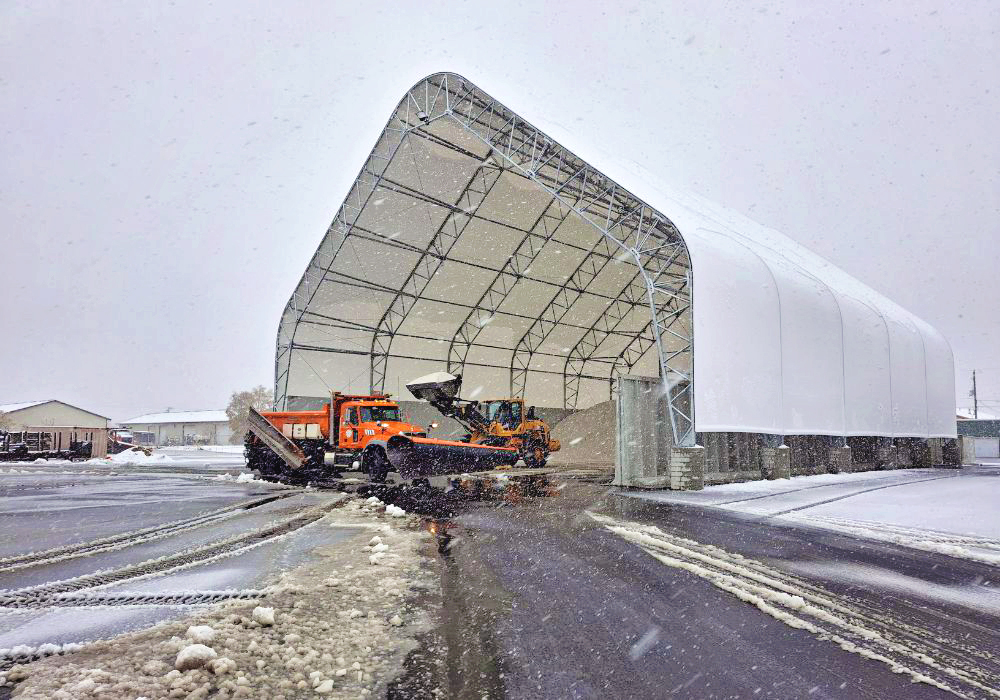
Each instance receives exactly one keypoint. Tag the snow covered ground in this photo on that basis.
(954, 512)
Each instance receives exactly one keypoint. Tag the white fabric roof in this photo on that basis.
(180, 417)
(784, 342)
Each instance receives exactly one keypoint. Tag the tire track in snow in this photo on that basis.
(41, 596)
(857, 493)
(805, 606)
(186, 598)
(911, 532)
(128, 539)
(949, 544)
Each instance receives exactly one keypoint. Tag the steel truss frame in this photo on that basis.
(627, 228)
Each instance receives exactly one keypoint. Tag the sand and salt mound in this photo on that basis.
(587, 437)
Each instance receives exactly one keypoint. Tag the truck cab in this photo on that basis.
(362, 421)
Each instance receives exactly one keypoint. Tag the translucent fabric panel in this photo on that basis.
(812, 357)
(868, 386)
(940, 382)
(317, 373)
(737, 334)
(909, 381)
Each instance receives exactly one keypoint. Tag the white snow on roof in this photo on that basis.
(8, 407)
(180, 417)
(967, 413)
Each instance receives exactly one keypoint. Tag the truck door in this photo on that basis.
(349, 437)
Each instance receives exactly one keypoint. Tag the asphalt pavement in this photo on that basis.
(543, 601)
(88, 552)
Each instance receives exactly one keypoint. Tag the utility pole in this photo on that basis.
(975, 398)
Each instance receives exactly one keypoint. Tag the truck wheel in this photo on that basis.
(378, 466)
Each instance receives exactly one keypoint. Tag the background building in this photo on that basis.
(31, 415)
(981, 438)
(184, 427)
(64, 424)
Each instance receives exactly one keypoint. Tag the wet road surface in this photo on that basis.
(95, 553)
(543, 601)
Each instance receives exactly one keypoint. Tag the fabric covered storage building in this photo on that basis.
(475, 241)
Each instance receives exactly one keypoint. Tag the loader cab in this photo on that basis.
(508, 413)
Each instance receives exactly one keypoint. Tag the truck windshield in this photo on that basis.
(379, 414)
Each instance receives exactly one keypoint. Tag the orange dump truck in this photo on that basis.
(357, 433)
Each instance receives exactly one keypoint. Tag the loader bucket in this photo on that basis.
(414, 456)
(436, 387)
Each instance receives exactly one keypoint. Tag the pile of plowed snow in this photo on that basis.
(137, 455)
(587, 437)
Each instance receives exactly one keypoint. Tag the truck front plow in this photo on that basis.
(414, 457)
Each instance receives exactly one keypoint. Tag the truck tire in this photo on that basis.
(377, 463)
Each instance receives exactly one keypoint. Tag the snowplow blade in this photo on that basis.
(415, 456)
(287, 450)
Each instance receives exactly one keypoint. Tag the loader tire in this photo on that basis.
(535, 457)
(378, 465)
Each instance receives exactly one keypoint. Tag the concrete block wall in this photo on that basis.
(777, 462)
(887, 456)
(686, 468)
(935, 450)
(967, 449)
(840, 460)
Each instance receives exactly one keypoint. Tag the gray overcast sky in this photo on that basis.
(166, 171)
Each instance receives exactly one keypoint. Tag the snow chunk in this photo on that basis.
(154, 667)
(263, 616)
(241, 478)
(394, 511)
(202, 634)
(396, 621)
(380, 547)
(374, 541)
(194, 656)
(221, 666)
